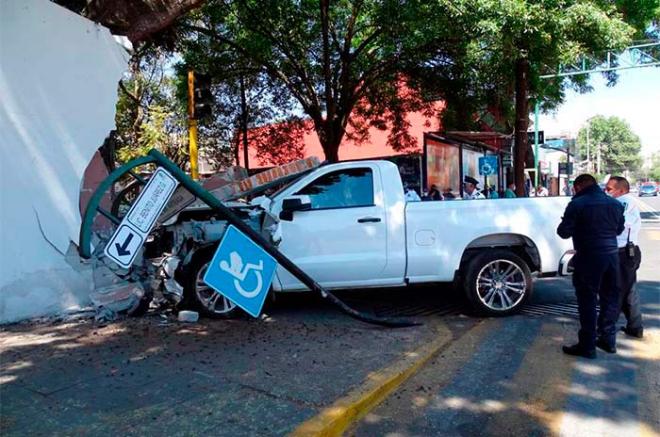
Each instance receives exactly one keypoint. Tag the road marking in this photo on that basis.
(540, 386)
(643, 206)
(334, 420)
(653, 235)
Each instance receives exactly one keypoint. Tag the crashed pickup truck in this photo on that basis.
(348, 226)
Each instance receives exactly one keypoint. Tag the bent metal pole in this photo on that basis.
(232, 218)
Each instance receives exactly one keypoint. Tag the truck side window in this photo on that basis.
(341, 189)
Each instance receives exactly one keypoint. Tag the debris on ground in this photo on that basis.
(188, 316)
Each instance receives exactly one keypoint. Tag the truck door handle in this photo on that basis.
(369, 220)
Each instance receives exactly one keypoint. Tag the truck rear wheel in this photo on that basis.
(497, 283)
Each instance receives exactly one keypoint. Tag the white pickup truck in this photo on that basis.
(348, 226)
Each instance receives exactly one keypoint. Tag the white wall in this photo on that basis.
(58, 82)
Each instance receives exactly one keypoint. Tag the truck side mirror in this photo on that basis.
(291, 204)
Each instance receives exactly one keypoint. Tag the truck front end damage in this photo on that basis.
(169, 266)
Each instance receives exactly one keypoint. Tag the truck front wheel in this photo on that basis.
(497, 283)
(199, 296)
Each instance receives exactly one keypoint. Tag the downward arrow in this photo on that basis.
(121, 249)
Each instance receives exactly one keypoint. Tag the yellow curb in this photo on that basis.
(334, 420)
(647, 353)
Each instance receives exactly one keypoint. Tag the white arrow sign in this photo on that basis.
(136, 225)
(124, 245)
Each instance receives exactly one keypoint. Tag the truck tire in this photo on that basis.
(497, 283)
(200, 297)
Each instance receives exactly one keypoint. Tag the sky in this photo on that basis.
(635, 98)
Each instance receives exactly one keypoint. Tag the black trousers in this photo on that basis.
(596, 279)
(629, 299)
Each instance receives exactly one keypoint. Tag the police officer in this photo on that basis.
(594, 220)
(470, 189)
(630, 257)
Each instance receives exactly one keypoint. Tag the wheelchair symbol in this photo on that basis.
(236, 269)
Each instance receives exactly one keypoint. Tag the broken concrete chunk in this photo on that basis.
(123, 296)
(188, 316)
(104, 315)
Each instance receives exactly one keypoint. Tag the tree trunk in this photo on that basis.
(330, 141)
(522, 123)
(107, 150)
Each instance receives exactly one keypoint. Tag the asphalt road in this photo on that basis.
(249, 377)
(509, 376)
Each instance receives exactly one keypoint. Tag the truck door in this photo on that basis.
(342, 240)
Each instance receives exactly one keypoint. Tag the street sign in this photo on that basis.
(566, 168)
(136, 225)
(241, 271)
(488, 165)
(507, 161)
(530, 137)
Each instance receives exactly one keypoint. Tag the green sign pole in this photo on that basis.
(536, 144)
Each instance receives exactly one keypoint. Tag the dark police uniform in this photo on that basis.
(594, 220)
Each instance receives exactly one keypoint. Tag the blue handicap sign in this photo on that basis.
(241, 271)
(487, 165)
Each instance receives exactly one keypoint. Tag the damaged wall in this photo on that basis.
(58, 89)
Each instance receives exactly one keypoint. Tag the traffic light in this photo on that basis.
(203, 97)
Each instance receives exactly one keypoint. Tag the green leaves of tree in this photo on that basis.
(619, 146)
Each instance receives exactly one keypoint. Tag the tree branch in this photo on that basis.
(270, 68)
(129, 94)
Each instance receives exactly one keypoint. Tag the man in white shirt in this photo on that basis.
(411, 195)
(470, 191)
(630, 256)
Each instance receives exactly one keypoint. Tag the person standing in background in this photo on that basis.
(510, 192)
(434, 193)
(471, 191)
(541, 191)
(630, 257)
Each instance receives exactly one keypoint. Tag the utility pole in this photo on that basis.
(598, 159)
(192, 126)
(588, 145)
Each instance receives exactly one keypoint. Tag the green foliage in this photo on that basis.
(148, 115)
(265, 103)
(619, 146)
(547, 33)
(653, 171)
(330, 58)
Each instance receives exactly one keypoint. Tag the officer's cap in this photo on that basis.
(471, 180)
